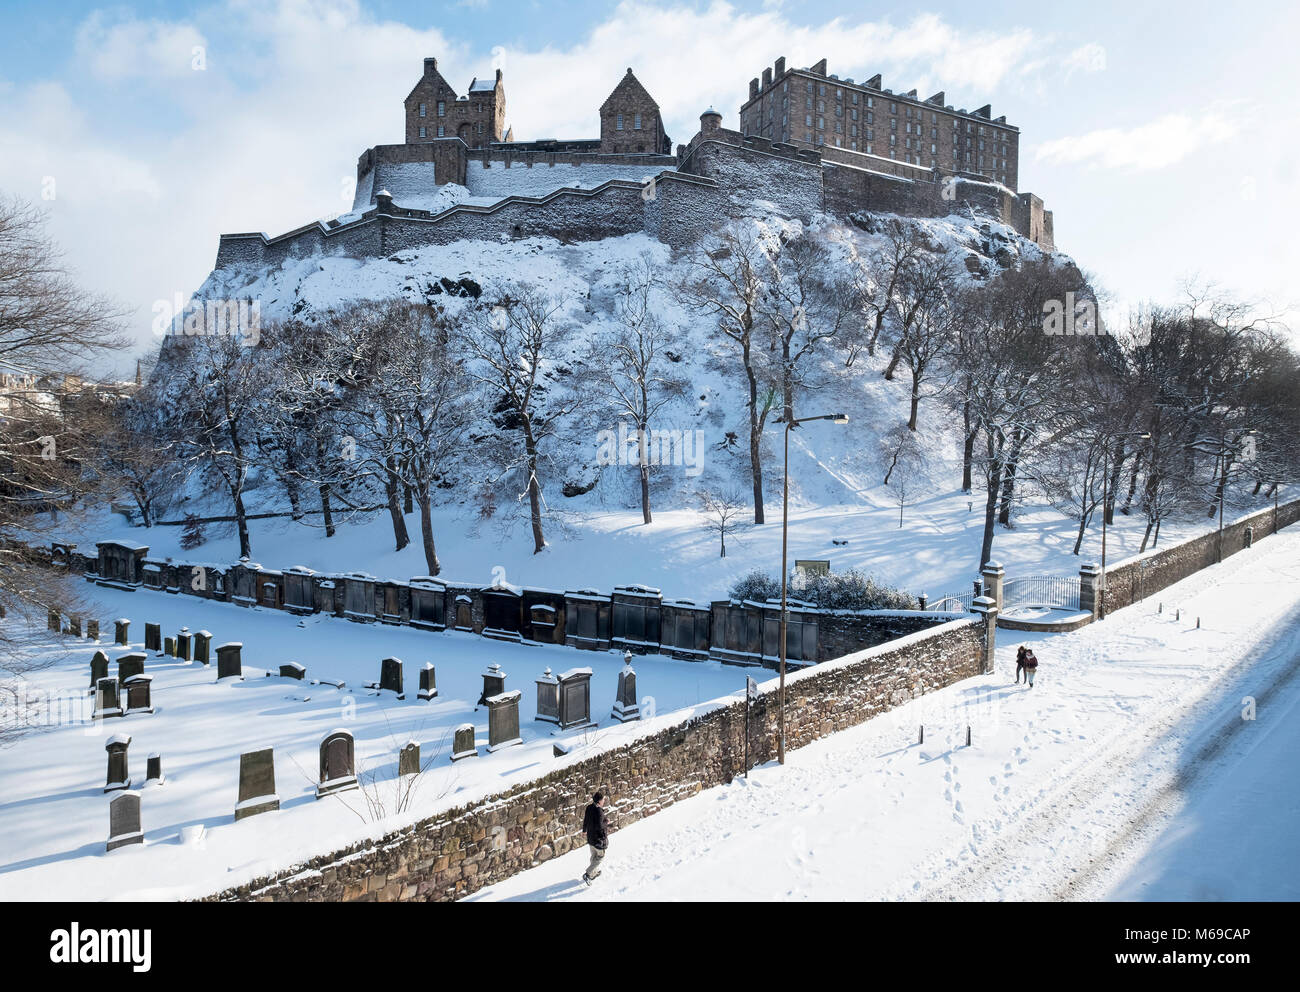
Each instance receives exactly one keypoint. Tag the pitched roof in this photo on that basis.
(629, 86)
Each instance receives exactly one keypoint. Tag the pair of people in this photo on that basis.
(1026, 662)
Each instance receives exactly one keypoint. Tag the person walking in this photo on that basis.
(1020, 661)
(595, 824)
(1031, 667)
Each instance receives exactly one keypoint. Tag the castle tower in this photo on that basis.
(630, 121)
(433, 110)
(710, 122)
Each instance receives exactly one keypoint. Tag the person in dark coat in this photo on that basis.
(595, 824)
(1020, 661)
(1031, 667)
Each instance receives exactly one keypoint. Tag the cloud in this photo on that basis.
(1158, 144)
(1085, 58)
(126, 47)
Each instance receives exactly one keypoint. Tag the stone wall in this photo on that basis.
(455, 853)
(1138, 578)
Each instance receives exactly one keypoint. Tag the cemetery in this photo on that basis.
(272, 737)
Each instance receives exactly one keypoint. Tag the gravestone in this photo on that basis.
(183, 641)
(120, 631)
(229, 665)
(256, 782)
(494, 683)
(152, 637)
(338, 771)
(92, 630)
(293, 670)
(428, 683)
(548, 698)
(107, 699)
(139, 694)
(575, 698)
(54, 622)
(391, 677)
(74, 626)
(130, 665)
(462, 742)
(503, 720)
(408, 759)
(202, 647)
(119, 775)
(625, 707)
(124, 821)
(169, 647)
(153, 771)
(98, 669)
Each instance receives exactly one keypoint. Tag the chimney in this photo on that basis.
(767, 78)
(753, 89)
(780, 67)
(874, 82)
(498, 75)
(430, 67)
(820, 68)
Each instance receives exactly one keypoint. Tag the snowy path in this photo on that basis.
(1127, 772)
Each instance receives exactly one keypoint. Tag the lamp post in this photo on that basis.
(838, 418)
(1105, 485)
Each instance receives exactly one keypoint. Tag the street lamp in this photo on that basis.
(1105, 483)
(836, 418)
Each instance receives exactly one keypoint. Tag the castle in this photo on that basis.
(807, 143)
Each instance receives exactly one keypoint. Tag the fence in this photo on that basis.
(1042, 590)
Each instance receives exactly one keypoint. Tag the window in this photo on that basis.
(423, 110)
(636, 122)
(618, 122)
(442, 132)
(422, 134)
(893, 108)
(821, 123)
(442, 108)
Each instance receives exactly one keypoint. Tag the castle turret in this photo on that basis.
(710, 122)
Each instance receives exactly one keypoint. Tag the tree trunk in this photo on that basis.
(1009, 477)
(534, 490)
(994, 486)
(643, 429)
(1132, 483)
(400, 537)
(916, 400)
(755, 440)
(968, 451)
(327, 514)
(426, 533)
(1112, 486)
(241, 520)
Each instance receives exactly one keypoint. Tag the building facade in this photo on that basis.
(809, 108)
(434, 110)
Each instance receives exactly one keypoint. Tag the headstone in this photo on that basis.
(119, 775)
(129, 665)
(338, 771)
(203, 647)
(494, 683)
(391, 677)
(92, 630)
(154, 772)
(229, 664)
(124, 821)
(462, 742)
(256, 782)
(575, 698)
(408, 759)
(98, 668)
(183, 641)
(625, 707)
(548, 698)
(120, 629)
(107, 699)
(503, 720)
(74, 626)
(169, 647)
(55, 622)
(1250, 536)
(152, 637)
(138, 694)
(293, 670)
(428, 683)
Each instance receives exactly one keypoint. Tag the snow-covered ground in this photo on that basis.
(54, 813)
(1127, 772)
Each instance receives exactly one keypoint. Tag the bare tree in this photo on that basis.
(634, 365)
(726, 282)
(721, 508)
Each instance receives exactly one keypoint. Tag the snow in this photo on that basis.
(53, 832)
(1127, 772)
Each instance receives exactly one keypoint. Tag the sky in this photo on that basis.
(1163, 135)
